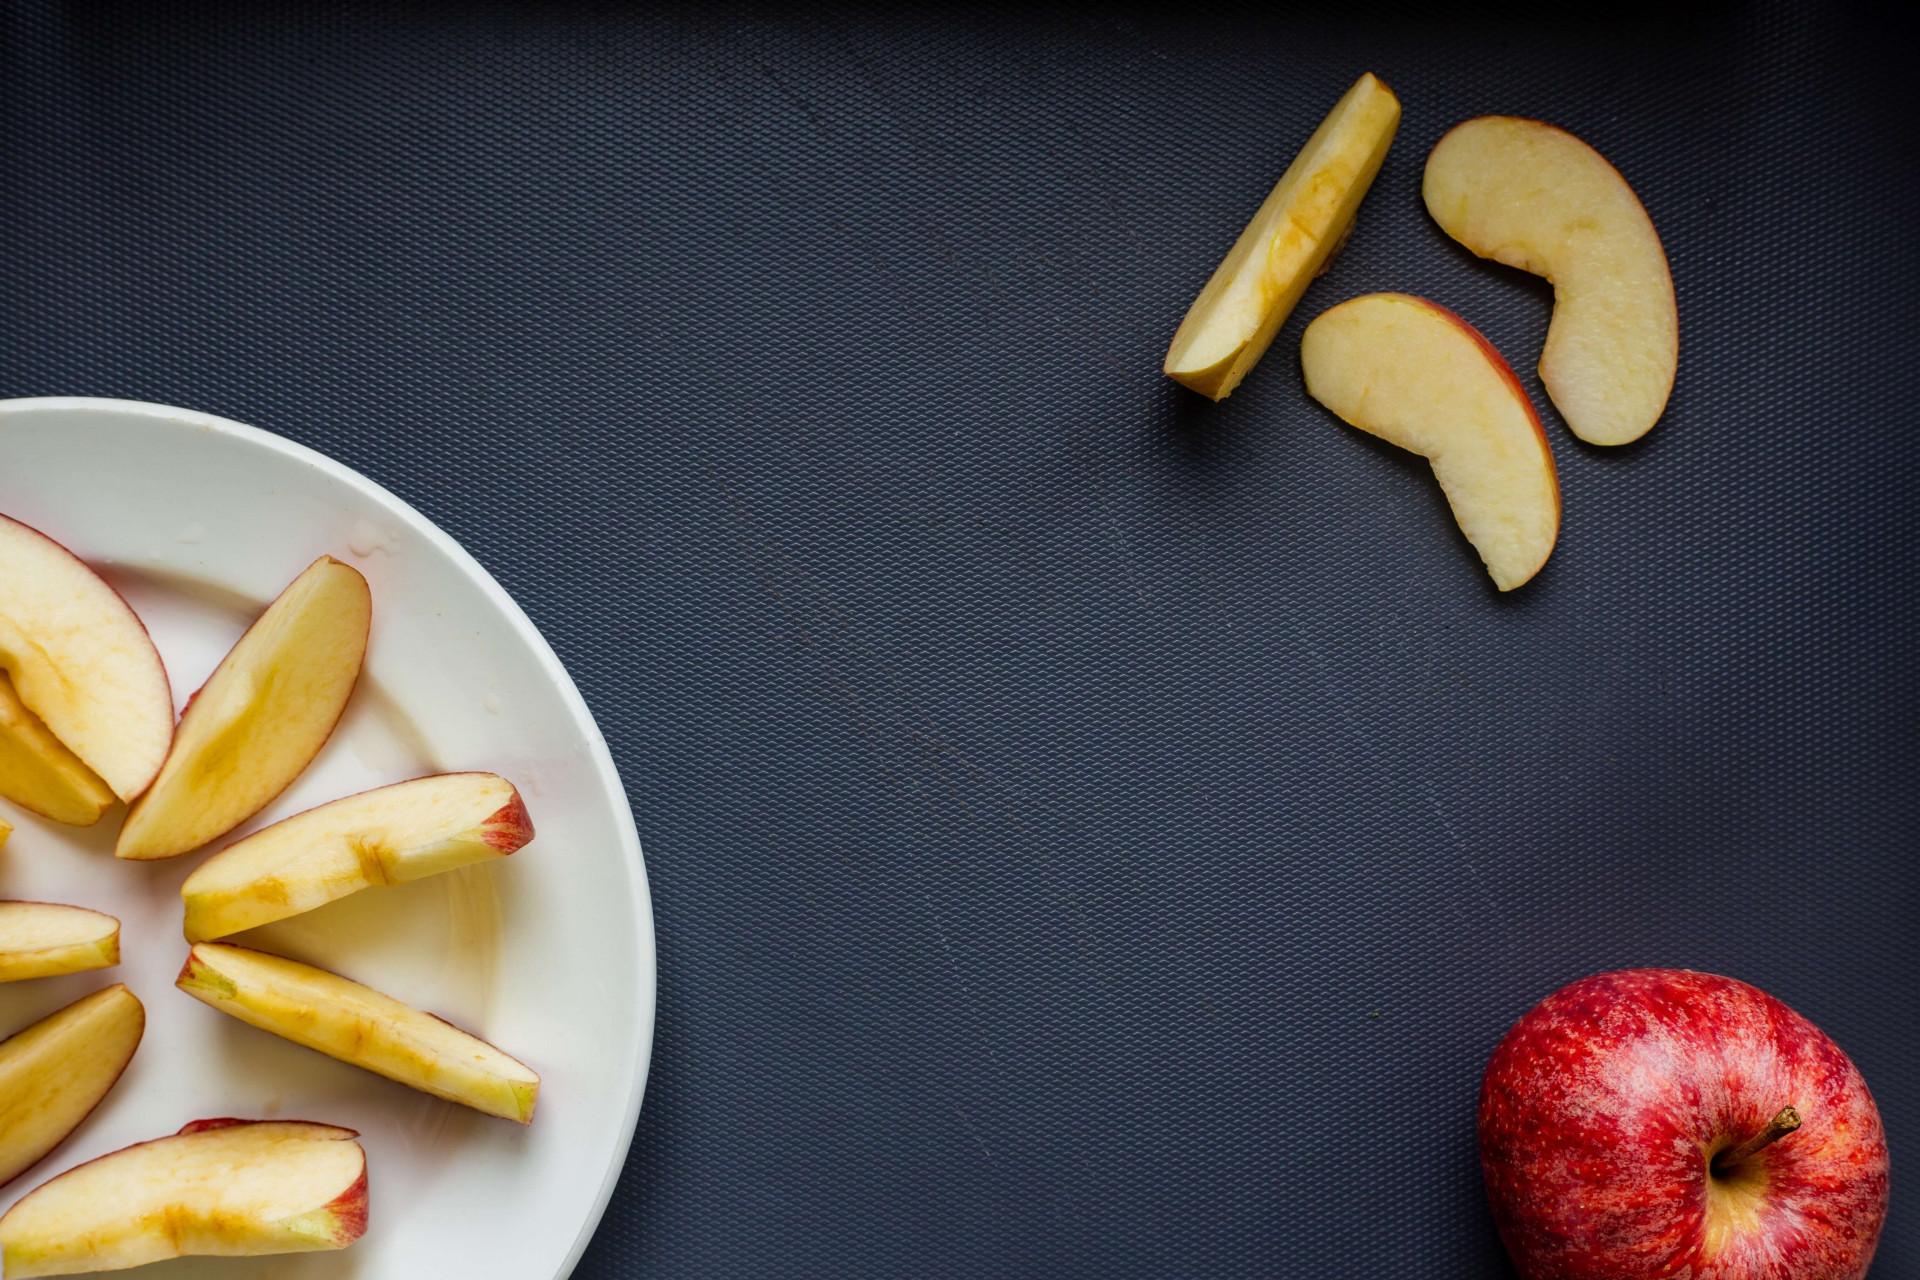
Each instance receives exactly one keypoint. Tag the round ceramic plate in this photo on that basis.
(548, 954)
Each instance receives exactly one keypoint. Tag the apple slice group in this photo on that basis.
(222, 1188)
(1537, 198)
(359, 1025)
(261, 717)
(386, 836)
(55, 1072)
(43, 939)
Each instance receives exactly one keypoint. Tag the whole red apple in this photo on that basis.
(1671, 1124)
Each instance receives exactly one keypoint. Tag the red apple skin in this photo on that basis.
(1602, 1106)
(510, 827)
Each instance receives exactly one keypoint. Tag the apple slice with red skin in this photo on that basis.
(1660, 1122)
(44, 939)
(37, 771)
(1417, 375)
(55, 1072)
(389, 835)
(262, 716)
(218, 1188)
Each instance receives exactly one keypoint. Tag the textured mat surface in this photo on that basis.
(1093, 833)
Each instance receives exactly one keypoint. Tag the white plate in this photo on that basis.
(548, 953)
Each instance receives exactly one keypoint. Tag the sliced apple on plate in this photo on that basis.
(386, 836)
(261, 717)
(359, 1025)
(1537, 198)
(37, 771)
(1416, 375)
(55, 1072)
(81, 662)
(218, 1188)
(42, 939)
(1302, 223)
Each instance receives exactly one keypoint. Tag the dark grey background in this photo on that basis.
(1093, 833)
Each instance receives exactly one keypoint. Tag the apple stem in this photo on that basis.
(1781, 1125)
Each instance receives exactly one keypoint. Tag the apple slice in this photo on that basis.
(37, 771)
(390, 835)
(1537, 198)
(1299, 227)
(55, 1072)
(219, 1188)
(81, 660)
(1415, 374)
(41, 939)
(261, 717)
(357, 1024)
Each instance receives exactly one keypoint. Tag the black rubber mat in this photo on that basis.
(1093, 833)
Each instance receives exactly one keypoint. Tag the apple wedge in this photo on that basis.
(357, 1024)
(81, 661)
(390, 835)
(264, 714)
(219, 1188)
(55, 1072)
(1299, 227)
(1416, 375)
(1537, 198)
(41, 939)
(37, 771)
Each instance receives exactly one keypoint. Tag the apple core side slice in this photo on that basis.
(55, 1072)
(1294, 234)
(224, 1188)
(265, 713)
(1537, 198)
(37, 771)
(42, 939)
(359, 1025)
(81, 660)
(1416, 375)
(389, 835)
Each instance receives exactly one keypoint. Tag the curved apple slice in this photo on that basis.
(81, 660)
(42, 939)
(264, 714)
(218, 1188)
(1537, 198)
(1415, 374)
(389, 835)
(37, 771)
(55, 1072)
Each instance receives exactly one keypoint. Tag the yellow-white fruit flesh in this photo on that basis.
(262, 716)
(37, 771)
(387, 836)
(1418, 376)
(1297, 229)
(81, 661)
(357, 1024)
(54, 1073)
(234, 1190)
(41, 939)
(1537, 198)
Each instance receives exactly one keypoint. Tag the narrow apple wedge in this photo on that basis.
(55, 1072)
(81, 661)
(1302, 223)
(42, 939)
(357, 1024)
(218, 1188)
(261, 717)
(1537, 198)
(37, 771)
(387, 836)
(1416, 375)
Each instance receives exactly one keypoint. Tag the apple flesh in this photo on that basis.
(359, 1025)
(218, 1188)
(1537, 198)
(386, 836)
(55, 1072)
(1297, 230)
(1417, 375)
(37, 771)
(1627, 1131)
(81, 661)
(42, 939)
(261, 717)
